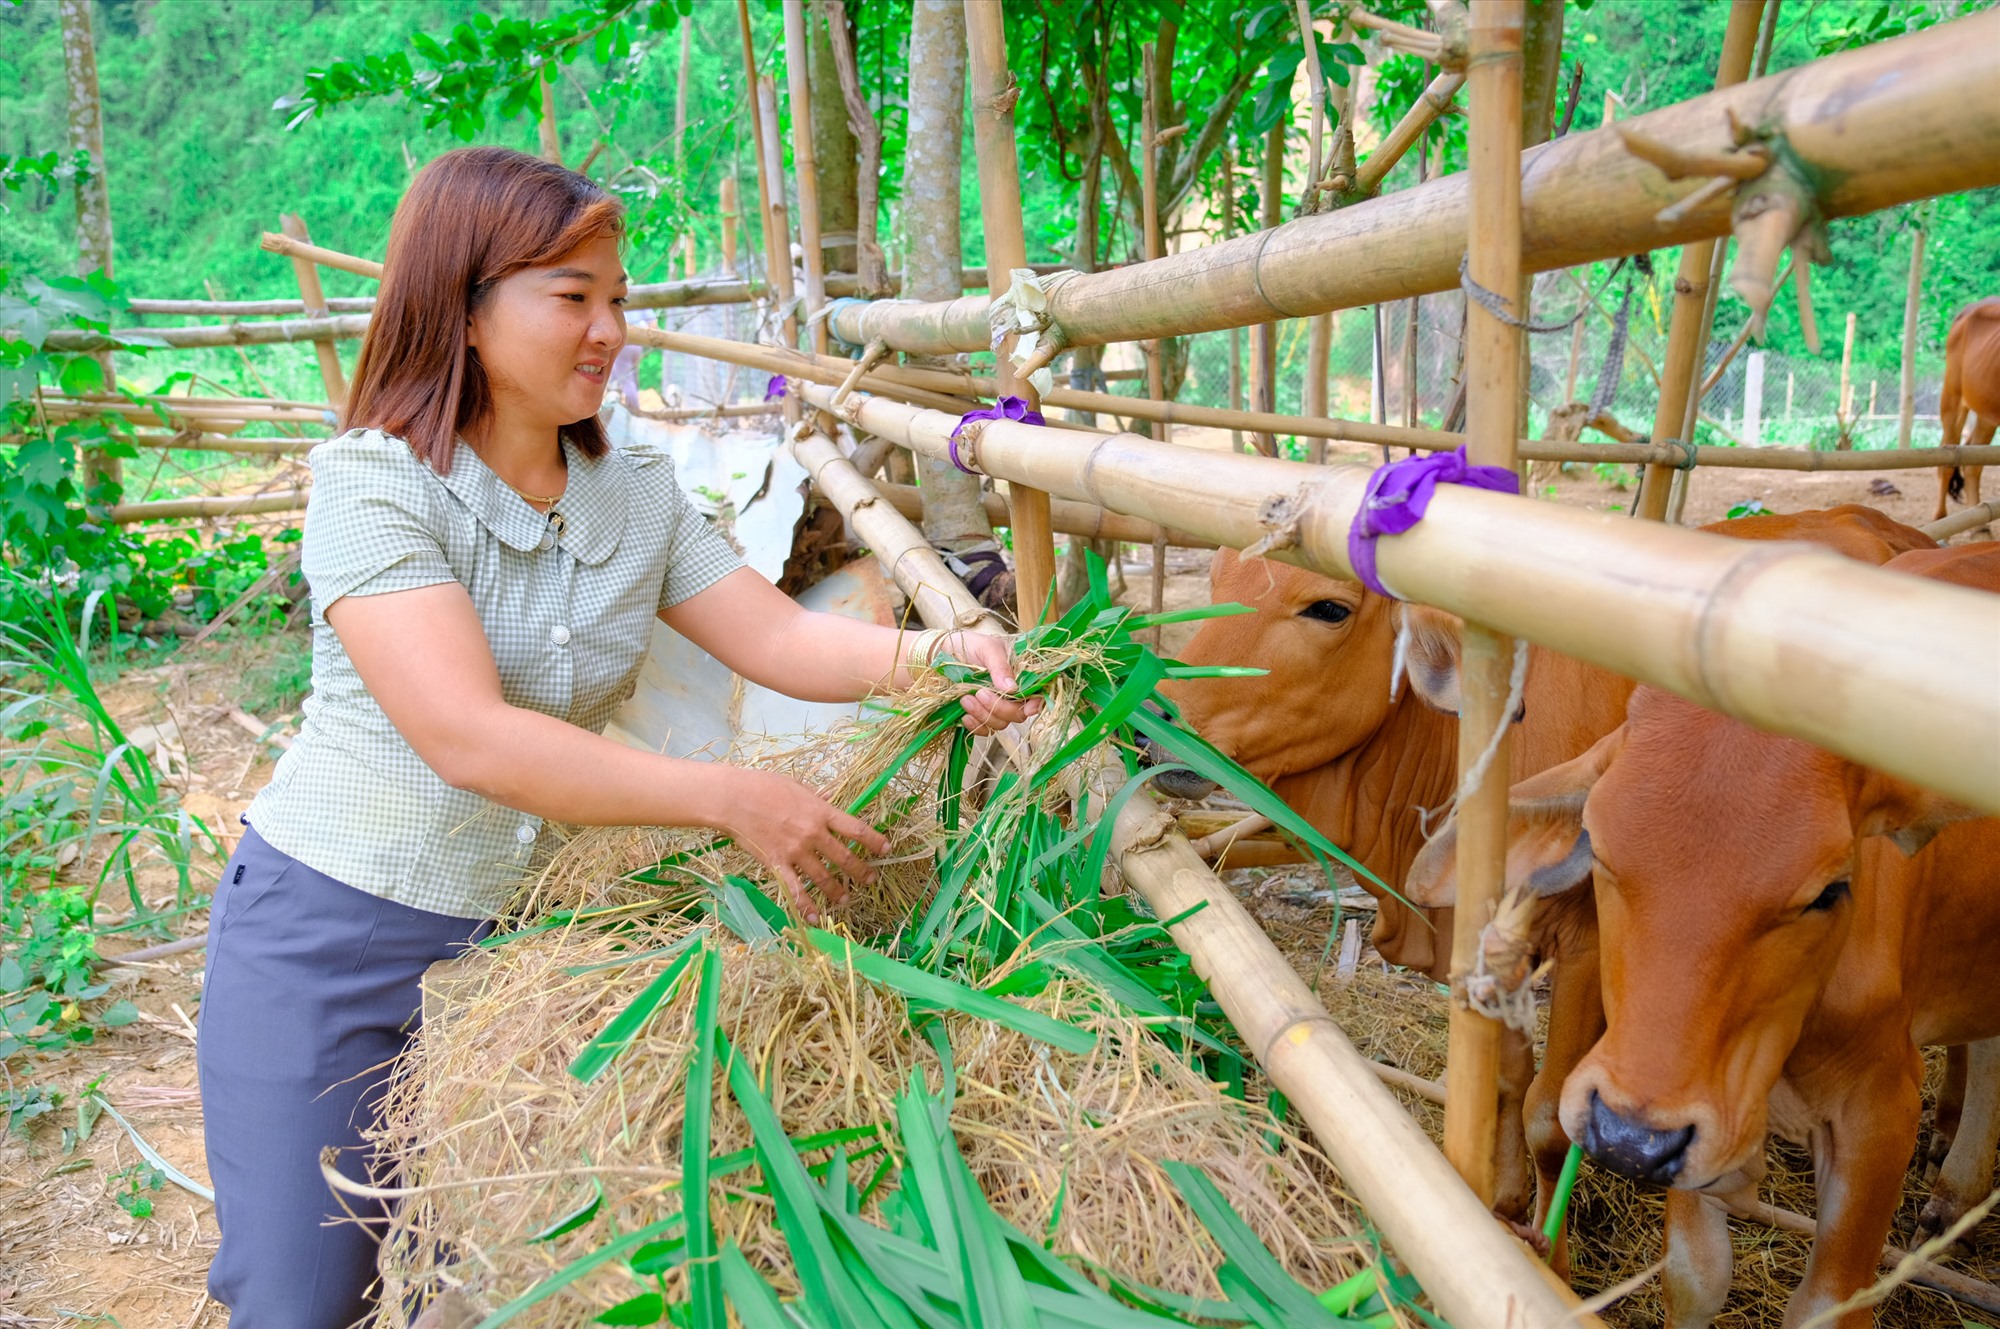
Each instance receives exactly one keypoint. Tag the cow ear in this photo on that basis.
(1909, 815)
(1548, 850)
(1429, 640)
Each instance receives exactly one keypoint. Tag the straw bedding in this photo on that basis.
(499, 1141)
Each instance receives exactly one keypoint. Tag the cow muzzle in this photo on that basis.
(1632, 1148)
(1174, 784)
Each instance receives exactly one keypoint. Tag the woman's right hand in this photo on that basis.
(801, 837)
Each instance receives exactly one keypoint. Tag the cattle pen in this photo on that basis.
(880, 391)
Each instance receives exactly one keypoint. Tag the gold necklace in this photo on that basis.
(524, 495)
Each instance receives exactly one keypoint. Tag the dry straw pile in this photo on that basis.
(1005, 1099)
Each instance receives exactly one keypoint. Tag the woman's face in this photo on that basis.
(547, 336)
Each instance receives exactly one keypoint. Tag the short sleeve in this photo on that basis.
(697, 555)
(365, 531)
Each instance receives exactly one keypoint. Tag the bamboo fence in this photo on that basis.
(1494, 403)
(1878, 126)
(1889, 671)
(1477, 1274)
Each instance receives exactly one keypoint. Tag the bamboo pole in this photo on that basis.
(1687, 334)
(805, 166)
(774, 246)
(1844, 406)
(1264, 333)
(345, 326)
(1156, 382)
(550, 143)
(1235, 334)
(315, 307)
(284, 500)
(273, 243)
(729, 223)
(993, 95)
(1423, 113)
(1475, 1273)
(1319, 351)
(1493, 406)
(792, 364)
(85, 140)
(1973, 1292)
(777, 222)
(1796, 640)
(1864, 122)
(1677, 489)
(1970, 519)
(246, 308)
(202, 442)
(1069, 517)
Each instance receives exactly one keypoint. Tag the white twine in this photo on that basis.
(1023, 313)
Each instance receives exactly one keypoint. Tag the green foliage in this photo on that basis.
(27, 1104)
(141, 1180)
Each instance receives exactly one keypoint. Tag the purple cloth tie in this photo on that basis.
(1007, 408)
(1397, 496)
(775, 389)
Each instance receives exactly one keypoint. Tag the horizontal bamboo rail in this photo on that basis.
(1085, 519)
(351, 304)
(1974, 517)
(194, 442)
(1477, 1274)
(1881, 125)
(161, 509)
(961, 382)
(1894, 672)
(1971, 1291)
(339, 327)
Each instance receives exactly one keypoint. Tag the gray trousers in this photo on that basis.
(312, 990)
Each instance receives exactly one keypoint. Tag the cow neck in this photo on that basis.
(1367, 801)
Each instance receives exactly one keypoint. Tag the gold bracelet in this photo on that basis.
(924, 651)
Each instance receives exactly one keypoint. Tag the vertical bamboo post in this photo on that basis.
(729, 221)
(315, 301)
(799, 88)
(775, 255)
(1913, 302)
(1319, 351)
(777, 224)
(1264, 336)
(551, 145)
(1493, 410)
(1156, 385)
(1235, 334)
(93, 189)
(1687, 334)
(993, 95)
(1844, 404)
(1678, 489)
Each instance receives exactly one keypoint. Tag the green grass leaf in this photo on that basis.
(577, 1269)
(602, 1050)
(704, 1283)
(915, 984)
(1246, 1253)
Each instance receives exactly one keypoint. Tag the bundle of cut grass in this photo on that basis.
(1069, 1144)
(654, 1100)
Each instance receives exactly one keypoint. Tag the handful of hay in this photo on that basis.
(656, 1101)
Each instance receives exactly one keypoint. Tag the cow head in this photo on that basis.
(1729, 868)
(1329, 648)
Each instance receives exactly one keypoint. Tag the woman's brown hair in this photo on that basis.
(472, 218)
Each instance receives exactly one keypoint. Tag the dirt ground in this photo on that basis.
(70, 1255)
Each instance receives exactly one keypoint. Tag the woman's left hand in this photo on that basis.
(990, 709)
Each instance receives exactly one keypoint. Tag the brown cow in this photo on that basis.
(1777, 942)
(1364, 767)
(1971, 385)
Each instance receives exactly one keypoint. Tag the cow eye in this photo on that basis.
(1835, 892)
(1327, 611)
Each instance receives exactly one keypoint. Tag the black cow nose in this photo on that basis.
(1633, 1150)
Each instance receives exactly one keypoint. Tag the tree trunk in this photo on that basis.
(834, 146)
(954, 517)
(1541, 70)
(93, 191)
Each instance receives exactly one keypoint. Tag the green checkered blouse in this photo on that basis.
(568, 619)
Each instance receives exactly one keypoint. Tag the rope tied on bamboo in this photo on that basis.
(1400, 493)
(1497, 305)
(1023, 313)
(969, 427)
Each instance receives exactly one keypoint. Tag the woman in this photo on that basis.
(484, 573)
